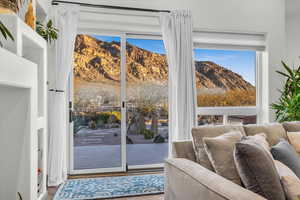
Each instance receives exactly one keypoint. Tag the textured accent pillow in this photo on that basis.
(283, 170)
(220, 153)
(261, 139)
(257, 170)
(285, 153)
(199, 133)
(294, 139)
(291, 187)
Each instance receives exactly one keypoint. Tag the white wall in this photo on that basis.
(293, 32)
(253, 16)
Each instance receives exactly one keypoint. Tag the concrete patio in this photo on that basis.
(109, 156)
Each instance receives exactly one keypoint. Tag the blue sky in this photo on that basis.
(241, 62)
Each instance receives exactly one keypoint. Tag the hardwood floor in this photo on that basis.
(52, 190)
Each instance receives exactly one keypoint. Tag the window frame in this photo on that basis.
(226, 111)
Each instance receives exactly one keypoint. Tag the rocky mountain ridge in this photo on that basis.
(99, 61)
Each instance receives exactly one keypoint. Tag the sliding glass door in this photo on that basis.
(147, 102)
(120, 106)
(97, 113)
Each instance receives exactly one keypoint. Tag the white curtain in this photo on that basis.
(177, 35)
(65, 19)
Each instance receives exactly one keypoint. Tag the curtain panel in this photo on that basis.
(65, 19)
(177, 35)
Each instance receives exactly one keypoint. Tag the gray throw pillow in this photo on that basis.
(285, 153)
(257, 170)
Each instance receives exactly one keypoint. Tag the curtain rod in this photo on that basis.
(56, 2)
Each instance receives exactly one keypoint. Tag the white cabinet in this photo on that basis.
(23, 112)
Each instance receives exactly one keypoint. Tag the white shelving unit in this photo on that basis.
(29, 47)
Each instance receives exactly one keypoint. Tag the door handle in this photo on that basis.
(70, 112)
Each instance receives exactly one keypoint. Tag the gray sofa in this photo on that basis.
(188, 180)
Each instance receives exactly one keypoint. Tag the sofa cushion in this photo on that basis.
(292, 126)
(294, 139)
(285, 153)
(257, 170)
(199, 133)
(220, 153)
(274, 132)
(291, 186)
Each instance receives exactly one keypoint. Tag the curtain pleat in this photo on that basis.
(65, 19)
(177, 35)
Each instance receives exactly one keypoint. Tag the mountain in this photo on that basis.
(99, 61)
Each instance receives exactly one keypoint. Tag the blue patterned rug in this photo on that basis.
(110, 187)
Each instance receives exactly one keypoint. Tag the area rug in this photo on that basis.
(110, 187)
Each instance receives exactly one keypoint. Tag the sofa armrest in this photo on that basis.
(184, 149)
(187, 180)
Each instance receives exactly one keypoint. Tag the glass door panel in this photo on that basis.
(97, 133)
(147, 102)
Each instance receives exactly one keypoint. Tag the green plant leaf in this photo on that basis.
(288, 106)
(289, 70)
(5, 32)
(48, 32)
(283, 74)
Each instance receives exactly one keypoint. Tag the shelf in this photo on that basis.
(41, 163)
(18, 89)
(28, 44)
(23, 80)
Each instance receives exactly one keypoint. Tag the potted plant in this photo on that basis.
(48, 32)
(5, 33)
(288, 106)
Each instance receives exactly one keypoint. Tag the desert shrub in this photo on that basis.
(103, 117)
(229, 98)
(147, 134)
(159, 139)
(79, 123)
(117, 115)
(92, 125)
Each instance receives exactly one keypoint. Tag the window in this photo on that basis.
(210, 120)
(226, 86)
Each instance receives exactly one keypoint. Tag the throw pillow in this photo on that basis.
(220, 153)
(274, 131)
(291, 126)
(261, 139)
(283, 170)
(285, 153)
(294, 139)
(257, 170)
(289, 181)
(291, 187)
(200, 132)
